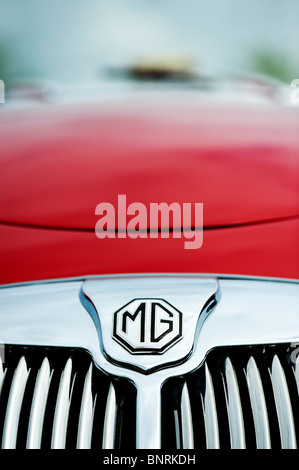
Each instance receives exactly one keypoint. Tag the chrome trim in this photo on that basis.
(210, 413)
(258, 405)
(62, 408)
(296, 373)
(249, 312)
(191, 296)
(186, 418)
(108, 441)
(234, 407)
(165, 274)
(14, 405)
(177, 429)
(283, 405)
(2, 374)
(148, 415)
(86, 414)
(38, 406)
(52, 314)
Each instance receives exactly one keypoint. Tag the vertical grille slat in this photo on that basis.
(2, 373)
(239, 397)
(62, 408)
(258, 405)
(110, 420)
(56, 398)
(296, 374)
(283, 405)
(86, 414)
(210, 413)
(38, 407)
(11, 424)
(234, 407)
(186, 420)
(177, 429)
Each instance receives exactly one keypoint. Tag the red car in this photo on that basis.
(130, 340)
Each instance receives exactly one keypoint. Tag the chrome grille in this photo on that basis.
(56, 398)
(242, 397)
(77, 387)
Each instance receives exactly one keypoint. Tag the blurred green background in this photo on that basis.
(74, 41)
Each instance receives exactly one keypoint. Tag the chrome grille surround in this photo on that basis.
(251, 313)
(240, 398)
(56, 398)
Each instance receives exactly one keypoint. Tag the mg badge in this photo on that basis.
(149, 322)
(147, 326)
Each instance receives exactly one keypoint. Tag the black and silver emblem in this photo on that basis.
(147, 323)
(146, 326)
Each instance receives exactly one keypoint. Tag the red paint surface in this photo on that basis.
(58, 163)
(263, 250)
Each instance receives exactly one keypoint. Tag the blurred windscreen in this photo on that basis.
(76, 41)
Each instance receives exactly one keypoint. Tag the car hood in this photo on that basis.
(59, 162)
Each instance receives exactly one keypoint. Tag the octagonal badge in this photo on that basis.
(146, 326)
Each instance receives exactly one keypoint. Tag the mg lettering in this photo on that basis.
(147, 326)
